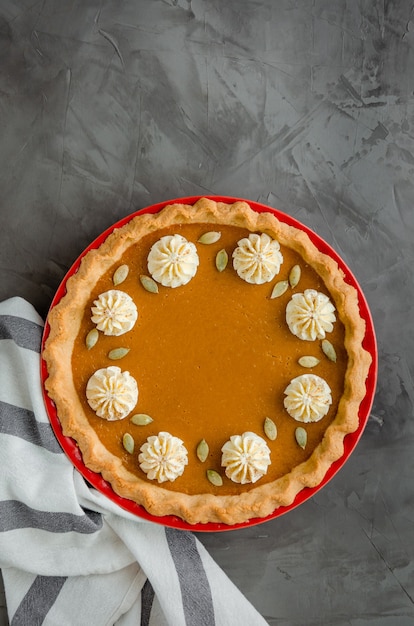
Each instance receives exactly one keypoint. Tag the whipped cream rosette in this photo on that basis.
(257, 258)
(245, 458)
(111, 393)
(173, 261)
(310, 315)
(308, 398)
(114, 312)
(163, 457)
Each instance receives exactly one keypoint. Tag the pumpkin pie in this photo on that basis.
(208, 361)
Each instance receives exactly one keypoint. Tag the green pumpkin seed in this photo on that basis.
(120, 274)
(222, 258)
(141, 419)
(294, 275)
(270, 429)
(308, 361)
(301, 437)
(128, 443)
(214, 477)
(117, 353)
(202, 450)
(279, 289)
(148, 283)
(91, 338)
(329, 350)
(210, 237)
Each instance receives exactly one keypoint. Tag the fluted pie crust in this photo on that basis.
(200, 502)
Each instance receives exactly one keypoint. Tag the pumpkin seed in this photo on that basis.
(202, 450)
(329, 350)
(270, 429)
(117, 353)
(128, 443)
(308, 361)
(301, 437)
(91, 338)
(214, 477)
(149, 284)
(294, 275)
(279, 289)
(210, 237)
(120, 274)
(141, 419)
(222, 258)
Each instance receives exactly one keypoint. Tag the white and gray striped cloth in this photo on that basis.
(69, 556)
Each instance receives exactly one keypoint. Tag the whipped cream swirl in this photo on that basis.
(245, 458)
(111, 393)
(308, 398)
(173, 261)
(310, 315)
(163, 457)
(257, 258)
(114, 312)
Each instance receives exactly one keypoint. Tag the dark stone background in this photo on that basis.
(307, 106)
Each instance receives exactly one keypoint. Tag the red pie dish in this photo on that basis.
(199, 380)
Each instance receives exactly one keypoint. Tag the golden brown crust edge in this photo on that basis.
(65, 318)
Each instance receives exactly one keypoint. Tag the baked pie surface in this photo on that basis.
(212, 360)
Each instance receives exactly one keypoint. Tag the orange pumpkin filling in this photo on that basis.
(211, 358)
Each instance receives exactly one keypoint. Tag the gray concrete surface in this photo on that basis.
(307, 106)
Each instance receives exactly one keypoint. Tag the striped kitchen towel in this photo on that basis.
(69, 556)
